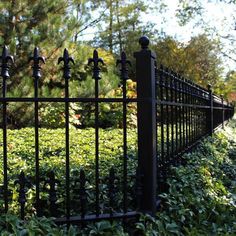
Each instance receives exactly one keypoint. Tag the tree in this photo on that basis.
(195, 11)
(197, 60)
(230, 85)
(50, 25)
(122, 25)
(46, 24)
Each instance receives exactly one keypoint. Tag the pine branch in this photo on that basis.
(228, 56)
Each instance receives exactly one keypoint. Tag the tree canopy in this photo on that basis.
(53, 25)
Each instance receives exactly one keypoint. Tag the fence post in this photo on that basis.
(210, 111)
(228, 111)
(147, 127)
(223, 111)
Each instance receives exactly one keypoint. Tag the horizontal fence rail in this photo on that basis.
(173, 114)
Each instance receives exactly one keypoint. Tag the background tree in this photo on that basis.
(194, 11)
(53, 25)
(197, 60)
(50, 25)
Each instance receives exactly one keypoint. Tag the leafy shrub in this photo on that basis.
(40, 226)
(21, 157)
(200, 200)
(201, 196)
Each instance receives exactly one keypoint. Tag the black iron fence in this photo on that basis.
(173, 114)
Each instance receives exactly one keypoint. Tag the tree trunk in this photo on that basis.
(110, 36)
(119, 26)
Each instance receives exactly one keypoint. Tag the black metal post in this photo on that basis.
(147, 135)
(223, 111)
(210, 111)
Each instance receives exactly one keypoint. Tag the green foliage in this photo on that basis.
(201, 196)
(187, 10)
(40, 226)
(12, 225)
(197, 60)
(105, 228)
(230, 85)
(52, 115)
(200, 200)
(21, 157)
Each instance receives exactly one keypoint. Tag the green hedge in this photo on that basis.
(202, 193)
(21, 157)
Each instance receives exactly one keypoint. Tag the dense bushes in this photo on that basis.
(201, 197)
(21, 157)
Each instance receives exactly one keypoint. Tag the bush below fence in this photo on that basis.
(52, 158)
(199, 202)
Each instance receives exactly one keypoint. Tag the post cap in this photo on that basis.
(144, 42)
(209, 86)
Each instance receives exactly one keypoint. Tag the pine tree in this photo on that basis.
(51, 26)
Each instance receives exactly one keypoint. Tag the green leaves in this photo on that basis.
(201, 194)
(21, 157)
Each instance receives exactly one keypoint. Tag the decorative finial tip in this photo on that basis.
(144, 42)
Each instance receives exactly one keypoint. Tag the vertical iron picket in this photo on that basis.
(183, 112)
(162, 161)
(195, 114)
(21, 181)
(124, 76)
(5, 59)
(176, 115)
(66, 59)
(82, 193)
(96, 76)
(189, 113)
(180, 115)
(210, 111)
(223, 111)
(111, 186)
(187, 110)
(172, 115)
(52, 181)
(36, 75)
(167, 144)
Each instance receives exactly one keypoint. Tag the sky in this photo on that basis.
(216, 14)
